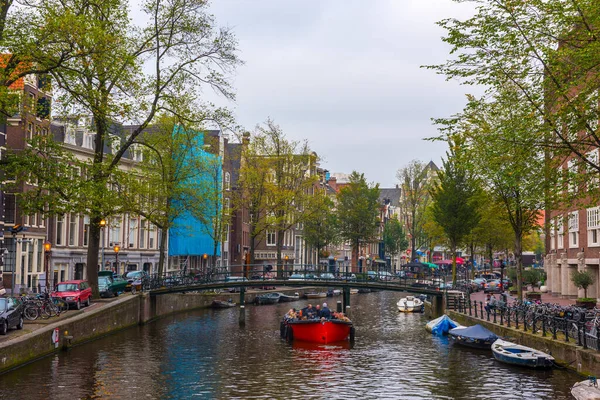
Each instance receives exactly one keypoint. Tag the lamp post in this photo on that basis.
(205, 262)
(47, 248)
(502, 265)
(103, 225)
(117, 248)
(285, 266)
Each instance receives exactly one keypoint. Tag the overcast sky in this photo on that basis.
(346, 76)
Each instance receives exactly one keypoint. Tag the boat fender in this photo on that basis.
(352, 332)
(290, 333)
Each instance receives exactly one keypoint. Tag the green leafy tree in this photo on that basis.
(320, 222)
(582, 279)
(131, 73)
(455, 206)
(414, 182)
(358, 211)
(394, 237)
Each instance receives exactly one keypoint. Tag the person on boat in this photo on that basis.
(325, 312)
(307, 311)
(317, 313)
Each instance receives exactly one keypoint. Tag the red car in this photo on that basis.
(75, 293)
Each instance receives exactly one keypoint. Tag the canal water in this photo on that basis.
(207, 355)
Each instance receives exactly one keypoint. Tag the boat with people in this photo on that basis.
(267, 298)
(316, 327)
(475, 336)
(410, 304)
(283, 298)
(516, 354)
(222, 304)
(441, 325)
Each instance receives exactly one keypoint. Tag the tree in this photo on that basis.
(455, 206)
(131, 73)
(276, 181)
(548, 52)
(358, 211)
(394, 237)
(582, 279)
(415, 199)
(507, 162)
(320, 222)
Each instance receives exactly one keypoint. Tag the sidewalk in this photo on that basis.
(546, 298)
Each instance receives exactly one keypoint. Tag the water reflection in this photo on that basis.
(207, 355)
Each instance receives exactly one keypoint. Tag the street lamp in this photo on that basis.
(47, 248)
(204, 258)
(103, 225)
(117, 248)
(286, 258)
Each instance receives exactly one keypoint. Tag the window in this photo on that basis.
(73, 230)
(88, 140)
(560, 230)
(60, 221)
(142, 234)
(29, 131)
(132, 229)
(594, 178)
(571, 175)
(115, 231)
(227, 205)
(573, 229)
(593, 225)
(227, 181)
(271, 238)
(86, 231)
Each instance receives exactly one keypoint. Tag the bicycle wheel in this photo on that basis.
(31, 313)
(61, 304)
(53, 310)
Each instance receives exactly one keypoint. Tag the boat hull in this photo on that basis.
(285, 298)
(317, 331)
(474, 344)
(222, 304)
(410, 305)
(514, 354)
(267, 298)
(316, 295)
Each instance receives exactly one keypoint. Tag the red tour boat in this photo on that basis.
(317, 331)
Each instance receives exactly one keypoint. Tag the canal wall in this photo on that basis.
(91, 324)
(569, 355)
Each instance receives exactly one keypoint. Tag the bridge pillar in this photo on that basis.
(242, 296)
(346, 297)
(437, 306)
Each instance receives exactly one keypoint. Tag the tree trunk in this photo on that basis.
(453, 265)
(491, 255)
(161, 255)
(519, 259)
(92, 255)
(355, 256)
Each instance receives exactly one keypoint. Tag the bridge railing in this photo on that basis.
(316, 274)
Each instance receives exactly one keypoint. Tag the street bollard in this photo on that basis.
(495, 315)
(554, 328)
(470, 313)
(475, 309)
(488, 315)
(502, 317)
(533, 328)
(524, 323)
(517, 319)
(508, 318)
(566, 330)
(579, 329)
(481, 309)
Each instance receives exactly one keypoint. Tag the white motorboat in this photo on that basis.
(410, 304)
(512, 353)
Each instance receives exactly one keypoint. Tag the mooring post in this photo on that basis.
(339, 306)
(242, 319)
(348, 312)
(346, 297)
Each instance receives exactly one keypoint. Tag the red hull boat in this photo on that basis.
(317, 331)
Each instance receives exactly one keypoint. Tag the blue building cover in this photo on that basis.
(188, 236)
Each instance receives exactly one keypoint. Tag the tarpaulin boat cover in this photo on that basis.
(475, 332)
(441, 325)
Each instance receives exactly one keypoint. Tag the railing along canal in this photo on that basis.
(566, 323)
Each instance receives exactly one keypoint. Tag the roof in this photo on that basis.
(393, 195)
(19, 84)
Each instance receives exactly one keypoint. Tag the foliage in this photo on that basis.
(358, 211)
(455, 206)
(394, 237)
(415, 181)
(531, 277)
(582, 279)
(320, 223)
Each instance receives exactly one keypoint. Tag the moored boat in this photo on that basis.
(286, 297)
(410, 304)
(441, 325)
(267, 298)
(318, 331)
(315, 295)
(516, 354)
(222, 304)
(353, 291)
(333, 292)
(475, 336)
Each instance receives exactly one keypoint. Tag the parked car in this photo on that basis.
(11, 314)
(75, 293)
(372, 275)
(480, 282)
(493, 287)
(347, 277)
(385, 276)
(110, 285)
(135, 276)
(296, 277)
(327, 276)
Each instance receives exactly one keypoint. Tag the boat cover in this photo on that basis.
(475, 332)
(441, 325)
